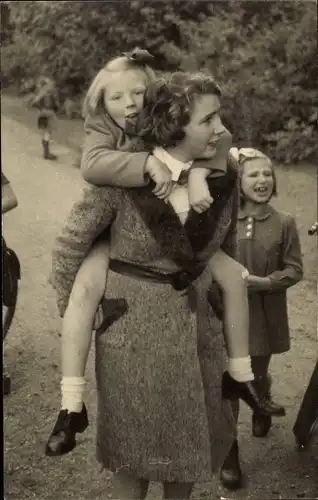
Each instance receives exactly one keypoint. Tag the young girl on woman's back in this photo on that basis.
(105, 133)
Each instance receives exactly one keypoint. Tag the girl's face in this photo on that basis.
(205, 127)
(257, 181)
(124, 95)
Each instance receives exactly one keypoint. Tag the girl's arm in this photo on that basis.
(91, 216)
(8, 197)
(103, 164)
(292, 271)
(292, 264)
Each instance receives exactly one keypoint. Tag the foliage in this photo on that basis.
(262, 53)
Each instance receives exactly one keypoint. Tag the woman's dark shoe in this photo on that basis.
(62, 440)
(261, 425)
(231, 474)
(249, 392)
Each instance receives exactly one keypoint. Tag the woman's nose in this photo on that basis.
(218, 126)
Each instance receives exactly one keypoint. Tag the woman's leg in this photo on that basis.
(229, 274)
(128, 487)
(179, 491)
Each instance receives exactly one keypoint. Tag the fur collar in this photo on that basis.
(183, 243)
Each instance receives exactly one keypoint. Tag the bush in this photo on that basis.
(262, 53)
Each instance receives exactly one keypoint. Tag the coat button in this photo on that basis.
(249, 226)
(250, 219)
(248, 234)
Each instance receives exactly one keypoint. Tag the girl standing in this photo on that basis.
(269, 247)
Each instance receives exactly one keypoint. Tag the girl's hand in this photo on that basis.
(200, 198)
(258, 283)
(161, 175)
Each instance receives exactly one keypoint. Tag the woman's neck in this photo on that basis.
(179, 153)
(255, 208)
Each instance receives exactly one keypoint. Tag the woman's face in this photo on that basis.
(124, 95)
(205, 127)
(257, 181)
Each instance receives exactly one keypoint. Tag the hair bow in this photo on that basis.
(141, 56)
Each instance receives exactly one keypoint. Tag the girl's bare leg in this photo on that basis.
(229, 274)
(78, 321)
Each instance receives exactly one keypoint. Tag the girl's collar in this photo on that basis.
(244, 214)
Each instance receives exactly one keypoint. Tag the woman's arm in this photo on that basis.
(8, 197)
(103, 164)
(91, 216)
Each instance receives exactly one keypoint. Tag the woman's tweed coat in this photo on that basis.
(159, 366)
(268, 245)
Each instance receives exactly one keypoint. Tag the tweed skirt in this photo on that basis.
(159, 371)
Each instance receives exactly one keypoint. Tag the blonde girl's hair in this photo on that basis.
(93, 102)
(244, 155)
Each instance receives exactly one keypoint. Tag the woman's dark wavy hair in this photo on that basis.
(168, 105)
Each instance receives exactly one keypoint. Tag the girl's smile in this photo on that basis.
(257, 180)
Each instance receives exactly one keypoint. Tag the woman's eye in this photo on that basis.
(115, 97)
(139, 92)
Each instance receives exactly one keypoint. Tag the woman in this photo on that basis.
(159, 366)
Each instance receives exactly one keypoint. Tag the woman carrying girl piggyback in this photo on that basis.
(177, 127)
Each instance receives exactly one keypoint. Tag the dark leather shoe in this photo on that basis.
(261, 425)
(249, 393)
(62, 440)
(263, 388)
(231, 474)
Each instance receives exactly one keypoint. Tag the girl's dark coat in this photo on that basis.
(269, 246)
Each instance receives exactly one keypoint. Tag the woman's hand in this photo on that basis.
(258, 283)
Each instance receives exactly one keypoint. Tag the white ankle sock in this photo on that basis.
(240, 369)
(72, 393)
